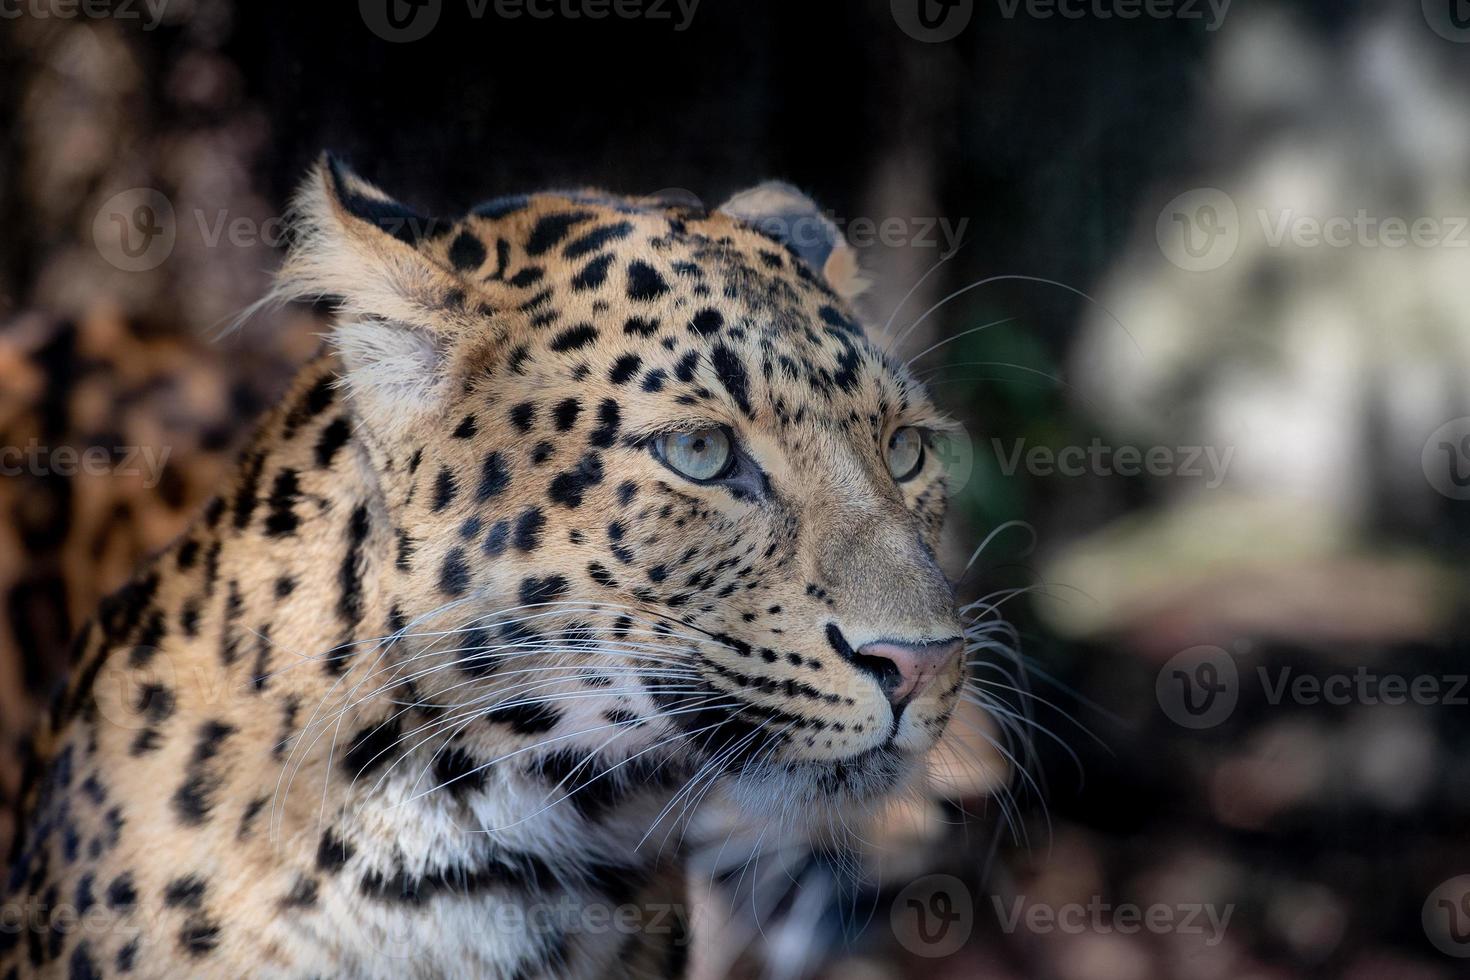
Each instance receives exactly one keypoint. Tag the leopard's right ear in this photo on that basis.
(398, 311)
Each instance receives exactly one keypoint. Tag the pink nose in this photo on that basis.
(914, 665)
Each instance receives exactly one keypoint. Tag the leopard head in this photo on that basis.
(654, 489)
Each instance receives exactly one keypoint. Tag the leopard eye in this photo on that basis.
(700, 455)
(905, 453)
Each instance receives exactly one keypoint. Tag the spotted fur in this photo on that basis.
(431, 687)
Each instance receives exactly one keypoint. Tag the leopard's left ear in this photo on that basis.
(789, 216)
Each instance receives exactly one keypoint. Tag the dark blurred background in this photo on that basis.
(1226, 242)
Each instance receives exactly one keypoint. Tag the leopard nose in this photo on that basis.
(905, 670)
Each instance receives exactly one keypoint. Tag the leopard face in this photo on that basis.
(652, 488)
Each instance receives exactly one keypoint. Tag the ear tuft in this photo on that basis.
(366, 202)
(354, 243)
(786, 214)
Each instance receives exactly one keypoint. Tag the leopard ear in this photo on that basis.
(789, 216)
(396, 315)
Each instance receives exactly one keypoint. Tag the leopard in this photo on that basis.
(589, 510)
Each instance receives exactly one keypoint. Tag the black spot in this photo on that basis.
(494, 478)
(332, 853)
(282, 519)
(454, 574)
(644, 282)
(731, 372)
(542, 451)
(457, 771)
(597, 238)
(566, 413)
(654, 380)
(526, 719)
(194, 799)
(186, 892)
(569, 487)
(528, 276)
(285, 585)
(528, 528)
(82, 966)
(641, 327)
(315, 401)
(574, 338)
(467, 253)
(624, 368)
(349, 576)
(684, 369)
(706, 322)
(467, 427)
(593, 274)
(837, 321)
(523, 416)
(444, 489)
(127, 957)
(245, 493)
(404, 559)
(199, 935)
(496, 539)
(122, 894)
(371, 747)
(609, 419)
(332, 438)
(538, 590)
(552, 228)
